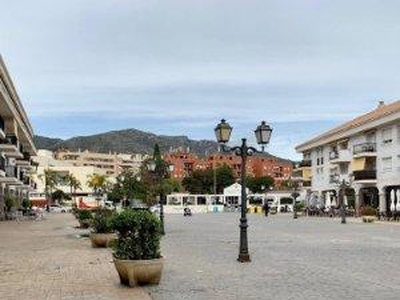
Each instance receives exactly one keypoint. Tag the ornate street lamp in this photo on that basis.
(160, 174)
(263, 134)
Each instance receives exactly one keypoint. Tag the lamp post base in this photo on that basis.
(244, 257)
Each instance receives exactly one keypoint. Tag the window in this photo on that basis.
(387, 135)
(386, 164)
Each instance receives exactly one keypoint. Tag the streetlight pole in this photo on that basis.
(263, 134)
(160, 172)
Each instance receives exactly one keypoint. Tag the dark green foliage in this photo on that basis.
(84, 214)
(127, 187)
(224, 177)
(139, 235)
(59, 195)
(202, 181)
(26, 204)
(367, 211)
(260, 184)
(102, 221)
(10, 202)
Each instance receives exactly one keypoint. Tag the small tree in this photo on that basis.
(74, 184)
(50, 179)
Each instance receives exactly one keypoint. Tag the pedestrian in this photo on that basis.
(266, 209)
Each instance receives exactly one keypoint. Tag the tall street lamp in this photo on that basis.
(161, 173)
(263, 134)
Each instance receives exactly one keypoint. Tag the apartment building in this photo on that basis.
(111, 163)
(364, 153)
(16, 143)
(258, 165)
(45, 160)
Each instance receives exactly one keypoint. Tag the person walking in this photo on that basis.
(266, 209)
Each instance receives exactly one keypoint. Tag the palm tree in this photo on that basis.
(74, 184)
(50, 179)
(97, 182)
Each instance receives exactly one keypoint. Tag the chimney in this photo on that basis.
(381, 104)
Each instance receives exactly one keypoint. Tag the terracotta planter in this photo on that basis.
(139, 272)
(101, 240)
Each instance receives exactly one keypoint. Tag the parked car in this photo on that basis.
(57, 208)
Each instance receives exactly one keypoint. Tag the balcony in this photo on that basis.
(364, 150)
(2, 126)
(2, 166)
(11, 177)
(341, 156)
(334, 178)
(365, 175)
(25, 162)
(305, 164)
(11, 147)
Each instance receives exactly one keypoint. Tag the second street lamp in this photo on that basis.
(161, 173)
(263, 134)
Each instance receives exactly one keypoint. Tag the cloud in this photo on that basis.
(178, 66)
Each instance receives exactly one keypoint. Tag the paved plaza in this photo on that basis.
(45, 260)
(307, 258)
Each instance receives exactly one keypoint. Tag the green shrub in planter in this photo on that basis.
(368, 211)
(102, 221)
(139, 235)
(84, 217)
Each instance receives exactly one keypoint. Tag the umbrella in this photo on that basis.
(398, 200)
(392, 196)
(328, 199)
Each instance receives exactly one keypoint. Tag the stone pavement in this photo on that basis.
(308, 258)
(44, 260)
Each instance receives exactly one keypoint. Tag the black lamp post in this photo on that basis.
(160, 173)
(263, 134)
(342, 191)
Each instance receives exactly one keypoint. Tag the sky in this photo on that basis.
(176, 67)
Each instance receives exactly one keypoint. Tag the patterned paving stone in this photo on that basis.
(44, 260)
(308, 258)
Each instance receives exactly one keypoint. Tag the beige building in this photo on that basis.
(16, 143)
(46, 160)
(365, 153)
(111, 163)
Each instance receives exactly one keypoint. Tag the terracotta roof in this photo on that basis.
(383, 110)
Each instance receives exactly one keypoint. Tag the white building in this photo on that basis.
(45, 160)
(364, 152)
(16, 144)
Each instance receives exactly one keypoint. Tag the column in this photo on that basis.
(382, 200)
(358, 202)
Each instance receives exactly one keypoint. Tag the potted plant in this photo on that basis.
(102, 231)
(136, 252)
(368, 214)
(84, 217)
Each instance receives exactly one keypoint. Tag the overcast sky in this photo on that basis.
(178, 67)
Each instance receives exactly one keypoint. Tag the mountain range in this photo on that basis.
(129, 141)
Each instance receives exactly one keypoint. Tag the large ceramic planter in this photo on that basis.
(139, 272)
(101, 240)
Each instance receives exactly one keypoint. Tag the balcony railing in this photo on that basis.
(12, 139)
(364, 147)
(305, 163)
(364, 175)
(2, 163)
(334, 178)
(11, 171)
(2, 123)
(333, 155)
